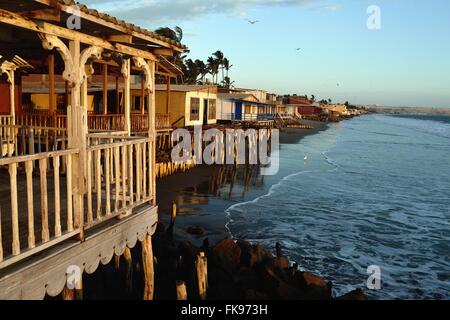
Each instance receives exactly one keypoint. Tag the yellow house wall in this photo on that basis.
(41, 101)
(177, 108)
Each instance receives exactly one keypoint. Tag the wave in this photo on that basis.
(272, 190)
(429, 126)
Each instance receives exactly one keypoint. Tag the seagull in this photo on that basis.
(305, 158)
(298, 49)
(252, 22)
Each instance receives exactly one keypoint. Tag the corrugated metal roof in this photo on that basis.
(183, 88)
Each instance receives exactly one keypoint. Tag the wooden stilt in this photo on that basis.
(117, 262)
(174, 213)
(128, 270)
(202, 275)
(181, 291)
(68, 294)
(149, 270)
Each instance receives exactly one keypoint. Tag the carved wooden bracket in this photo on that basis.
(74, 71)
(146, 67)
(7, 68)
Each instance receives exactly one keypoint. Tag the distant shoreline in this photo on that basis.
(410, 111)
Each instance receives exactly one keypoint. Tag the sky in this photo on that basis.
(405, 62)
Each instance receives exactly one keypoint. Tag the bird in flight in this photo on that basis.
(252, 21)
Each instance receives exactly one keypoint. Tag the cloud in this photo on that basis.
(157, 11)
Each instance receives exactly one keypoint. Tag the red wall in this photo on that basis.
(307, 110)
(4, 98)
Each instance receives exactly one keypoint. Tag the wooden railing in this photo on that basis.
(108, 122)
(119, 177)
(56, 222)
(19, 140)
(163, 121)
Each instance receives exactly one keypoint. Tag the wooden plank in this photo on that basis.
(39, 156)
(123, 38)
(98, 183)
(69, 194)
(90, 215)
(144, 169)
(117, 170)
(44, 200)
(130, 174)
(105, 89)
(56, 165)
(30, 204)
(51, 79)
(14, 209)
(124, 176)
(108, 181)
(138, 172)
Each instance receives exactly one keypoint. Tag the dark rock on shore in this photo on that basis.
(240, 270)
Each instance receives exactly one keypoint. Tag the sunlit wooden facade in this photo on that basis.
(77, 188)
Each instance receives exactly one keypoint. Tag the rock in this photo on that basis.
(279, 250)
(248, 256)
(196, 230)
(314, 286)
(187, 250)
(357, 294)
(282, 263)
(228, 253)
(262, 254)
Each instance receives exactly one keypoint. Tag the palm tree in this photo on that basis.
(227, 83)
(202, 70)
(190, 71)
(227, 66)
(313, 98)
(219, 60)
(213, 67)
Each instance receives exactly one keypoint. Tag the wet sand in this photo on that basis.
(204, 190)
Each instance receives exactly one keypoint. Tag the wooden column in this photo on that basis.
(117, 96)
(152, 131)
(142, 95)
(12, 98)
(105, 89)
(77, 136)
(51, 85)
(168, 95)
(126, 94)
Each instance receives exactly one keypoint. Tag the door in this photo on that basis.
(238, 111)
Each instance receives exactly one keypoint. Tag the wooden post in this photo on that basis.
(117, 96)
(68, 294)
(142, 94)
(51, 85)
(168, 95)
(105, 89)
(174, 213)
(149, 273)
(128, 270)
(126, 94)
(181, 291)
(12, 98)
(202, 275)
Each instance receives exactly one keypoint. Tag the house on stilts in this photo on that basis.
(77, 160)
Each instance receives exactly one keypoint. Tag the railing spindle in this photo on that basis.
(138, 171)
(56, 164)
(144, 171)
(30, 204)
(117, 169)
(69, 194)
(14, 209)
(130, 173)
(124, 177)
(98, 183)
(90, 215)
(108, 181)
(44, 200)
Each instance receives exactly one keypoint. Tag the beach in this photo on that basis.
(194, 188)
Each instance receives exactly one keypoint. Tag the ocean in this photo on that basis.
(374, 191)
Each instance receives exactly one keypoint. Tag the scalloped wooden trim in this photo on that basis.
(47, 275)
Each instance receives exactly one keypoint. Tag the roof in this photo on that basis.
(66, 6)
(183, 88)
(235, 96)
(15, 62)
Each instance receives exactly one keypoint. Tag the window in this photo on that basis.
(212, 109)
(248, 109)
(195, 109)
